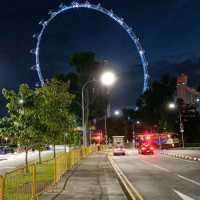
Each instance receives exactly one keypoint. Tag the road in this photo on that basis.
(160, 177)
(10, 162)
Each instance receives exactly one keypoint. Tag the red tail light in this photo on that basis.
(151, 148)
(143, 148)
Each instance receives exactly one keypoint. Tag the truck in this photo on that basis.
(118, 140)
(118, 145)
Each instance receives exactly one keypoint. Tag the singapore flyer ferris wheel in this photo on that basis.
(97, 7)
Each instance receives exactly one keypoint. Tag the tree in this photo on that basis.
(18, 125)
(152, 105)
(54, 110)
(86, 68)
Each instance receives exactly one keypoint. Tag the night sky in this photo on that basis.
(169, 31)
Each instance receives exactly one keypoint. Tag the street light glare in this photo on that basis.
(117, 112)
(108, 78)
(21, 101)
(172, 105)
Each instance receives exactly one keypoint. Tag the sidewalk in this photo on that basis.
(93, 179)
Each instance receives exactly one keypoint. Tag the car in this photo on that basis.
(146, 149)
(118, 150)
(6, 149)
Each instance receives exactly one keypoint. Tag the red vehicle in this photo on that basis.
(146, 149)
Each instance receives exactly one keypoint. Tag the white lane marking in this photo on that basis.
(188, 179)
(162, 168)
(157, 166)
(183, 196)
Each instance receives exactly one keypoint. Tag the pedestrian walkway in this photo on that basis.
(93, 179)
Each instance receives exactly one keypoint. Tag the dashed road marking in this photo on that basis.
(156, 166)
(183, 196)
(161, 168)
(188, 179)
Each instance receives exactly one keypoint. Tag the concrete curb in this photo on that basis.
(181, 156)
(129, 190)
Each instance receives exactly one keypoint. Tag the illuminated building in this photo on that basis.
(184, 92)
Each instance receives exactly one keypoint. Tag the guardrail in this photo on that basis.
(23, 184)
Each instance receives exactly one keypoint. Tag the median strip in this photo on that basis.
(181, 156)
(129, 190)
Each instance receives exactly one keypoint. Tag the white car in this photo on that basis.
(118, 150)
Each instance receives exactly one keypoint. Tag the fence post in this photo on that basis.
(34, 182)
(55, 171)
(66, 156)
(2, 187)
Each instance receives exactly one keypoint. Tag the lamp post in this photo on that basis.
(107, 79)
(83, 111)
(173, 106)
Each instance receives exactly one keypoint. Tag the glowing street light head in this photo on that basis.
(117, 112)
(21, 101)
(108, 78)
(172, 105)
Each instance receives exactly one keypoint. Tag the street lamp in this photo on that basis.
(107, 79)
(173, 106)
(83, 110)
(21, 101)
(117, 113)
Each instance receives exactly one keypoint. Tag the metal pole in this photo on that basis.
(181, 130)
(65, 148)
(83, 111)
(90, 137)
(105, 121)
(159, 141)
(83, 117)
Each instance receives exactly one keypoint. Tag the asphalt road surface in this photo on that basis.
(160, 177)
(10, 162)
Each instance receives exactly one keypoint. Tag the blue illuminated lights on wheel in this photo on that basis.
(75, 5)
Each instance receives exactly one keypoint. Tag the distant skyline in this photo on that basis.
(168, 31)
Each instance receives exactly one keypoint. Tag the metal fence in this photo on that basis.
(28, 183)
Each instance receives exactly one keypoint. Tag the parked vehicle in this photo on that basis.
(6, 149)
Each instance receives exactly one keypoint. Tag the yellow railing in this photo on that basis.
(28, 184)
